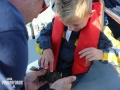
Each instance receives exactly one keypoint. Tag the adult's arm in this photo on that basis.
(13, 43)
(13, 55)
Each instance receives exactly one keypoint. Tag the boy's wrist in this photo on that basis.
(47, 48)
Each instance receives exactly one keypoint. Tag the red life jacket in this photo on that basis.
(89, 37)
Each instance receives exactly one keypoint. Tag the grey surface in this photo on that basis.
(100, 76)
(32, 51)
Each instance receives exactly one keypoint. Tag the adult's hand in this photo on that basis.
(64, 83)
(31, 81)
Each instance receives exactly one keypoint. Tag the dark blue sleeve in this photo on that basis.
(44, 39)
(13, 54)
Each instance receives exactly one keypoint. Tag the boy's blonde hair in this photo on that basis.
(70, 10)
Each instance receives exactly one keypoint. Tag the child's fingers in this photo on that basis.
(46, 63)
(85, 54)
(88, 57)
(85, 50)
(91, 59)
(51, 66)
(42, 62)
(39, 61)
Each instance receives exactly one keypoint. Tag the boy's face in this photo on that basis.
(77, 24)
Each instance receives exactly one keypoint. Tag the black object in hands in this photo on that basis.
(51, 77)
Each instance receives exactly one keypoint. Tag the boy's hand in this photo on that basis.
(47, 59)
(91, 54)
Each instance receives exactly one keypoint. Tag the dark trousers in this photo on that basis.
(79, 77)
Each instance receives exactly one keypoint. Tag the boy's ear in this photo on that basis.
(92, 13)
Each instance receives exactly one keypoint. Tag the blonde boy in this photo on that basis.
(71, 40)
